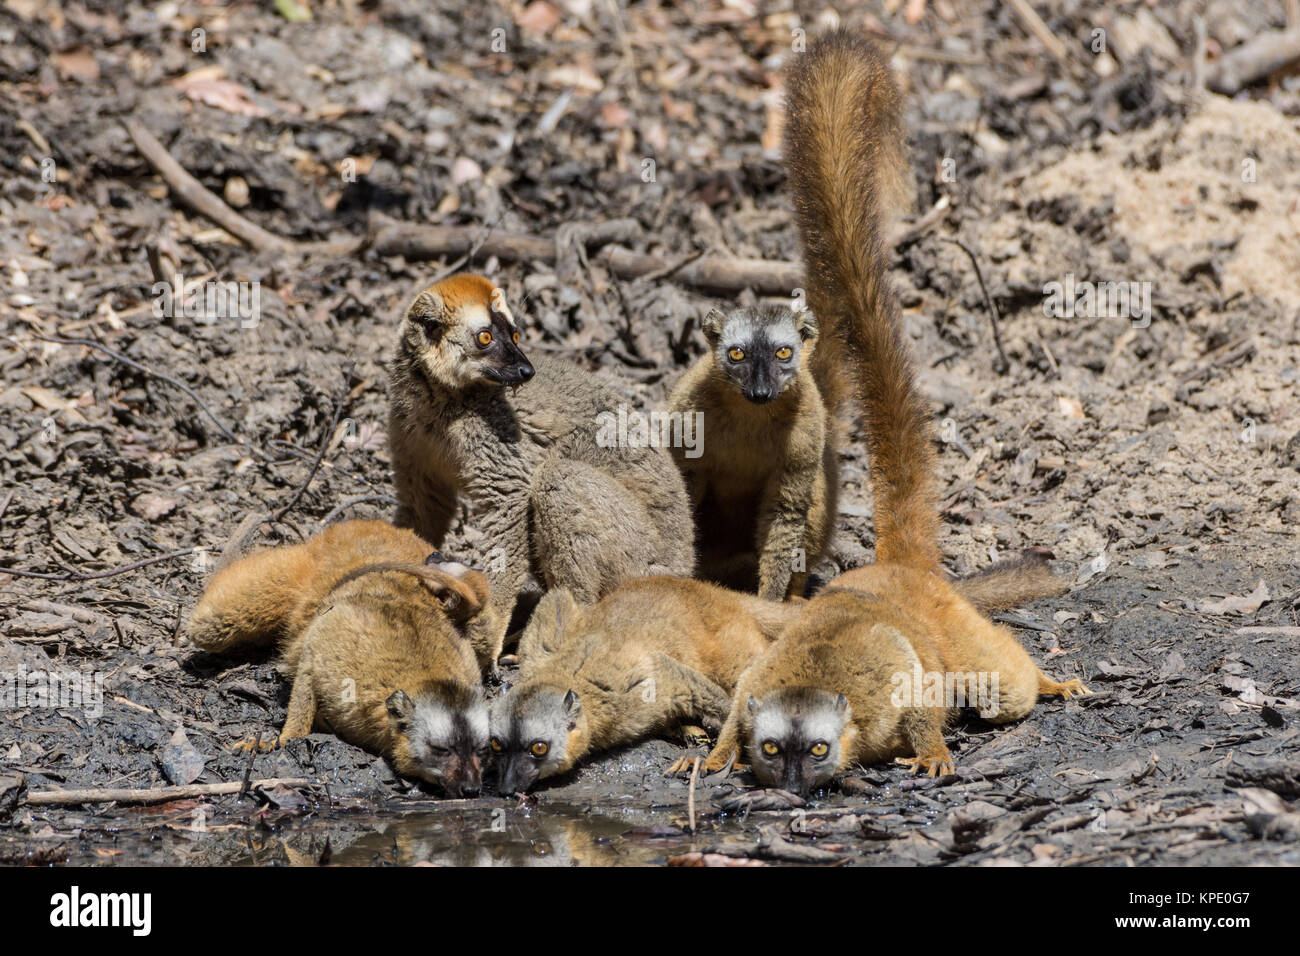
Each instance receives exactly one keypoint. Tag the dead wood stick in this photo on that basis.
(1035, 25)
(145, 370)
(193, 194)
(324, 447)
(690, 797)
(709, 273)
(97, 575)
(1254, 60)
(63, 798)
(1002, 365)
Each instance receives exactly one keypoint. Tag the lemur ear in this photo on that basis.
(428, 312)
(806, 324)
(711, 325)
(753, 704)
(457, 596)
(572, 705)
(400, 707)
(841, 704)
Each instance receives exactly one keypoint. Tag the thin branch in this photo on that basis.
(363, 499)
(63, 798)
(131, 363)
(320, 455)
(97, 575)
(193, 194)
(1002, 366)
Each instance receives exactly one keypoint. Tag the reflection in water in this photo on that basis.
(486, 836)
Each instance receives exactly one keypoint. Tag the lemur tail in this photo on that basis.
(1012, 582)
(844, 151)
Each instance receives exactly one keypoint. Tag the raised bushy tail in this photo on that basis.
(844, 151)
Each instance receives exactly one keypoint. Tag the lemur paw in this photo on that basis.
(932, 765)
(250, 744)
(681, 767)
(1071, 688)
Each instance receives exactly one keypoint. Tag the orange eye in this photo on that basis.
(784, 352)
(484, 338)
(539, 748)
(515, 338)
(819, 749)
(496, 745)
(736, 354)
(770, 748)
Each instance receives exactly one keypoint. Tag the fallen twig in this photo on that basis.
(63, 798)
(1002, 365)
(96, 575)
(320, 455)
(193, 194)
(131, 363)
(710, 273)
(1035, 25)
(361, 499)
(690, 796)
(1253, 60)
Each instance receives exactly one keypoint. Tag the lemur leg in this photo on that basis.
(923, 729)
(301, 716)
(690, 694)
(656, 482)
(589, 532)
(425, 506)
(992, 653)
(502, 508)
(726, 750)
(783, 530)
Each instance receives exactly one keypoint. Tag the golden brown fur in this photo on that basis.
(872, 624)
(844, 150)
(654, 654)
(827, 693)
(764, 492)
(1012, 582)
(371, 636)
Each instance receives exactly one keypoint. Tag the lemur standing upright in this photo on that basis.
(835, 688)
(771, 390)
(547, 496)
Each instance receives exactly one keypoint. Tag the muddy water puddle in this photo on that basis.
(487, 833)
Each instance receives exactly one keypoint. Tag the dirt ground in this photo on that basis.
(1158, 459)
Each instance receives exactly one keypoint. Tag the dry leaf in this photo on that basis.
(204, 87)
(579, 76)
(1238, 605)
(538, 17)
(78, 64)
(1069, 407)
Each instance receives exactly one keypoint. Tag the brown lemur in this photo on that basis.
(772, 391)
(544, 491)
(655, 654)
(837, 687)
(764, 490)
(374, 639)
